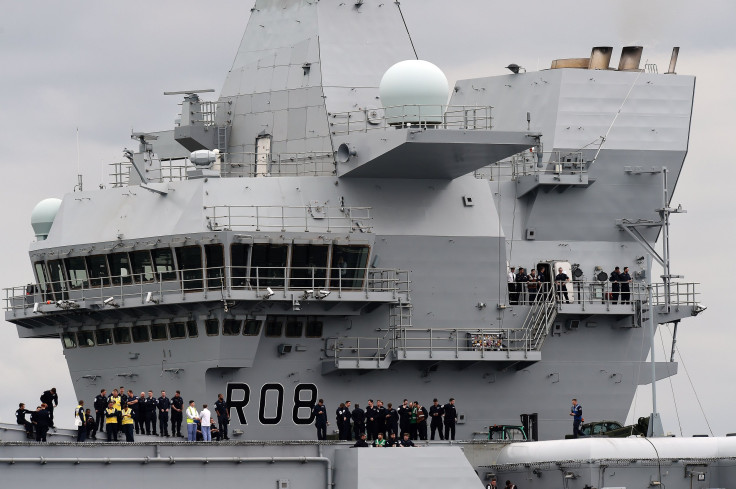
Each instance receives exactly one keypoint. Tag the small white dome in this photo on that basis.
(419, 87)
(43, 216)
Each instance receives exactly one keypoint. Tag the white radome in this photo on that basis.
(43, 216)
(414, 91)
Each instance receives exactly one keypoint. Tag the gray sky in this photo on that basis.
(102, 67)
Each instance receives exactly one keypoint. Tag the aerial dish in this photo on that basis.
(414, 92)
(43, 216)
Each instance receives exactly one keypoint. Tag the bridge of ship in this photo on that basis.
(513, 347)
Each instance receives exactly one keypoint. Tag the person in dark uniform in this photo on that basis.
(358, 416)
(140, 421)
(340, 415)
(111, 421)
(615, 279)
(151, 410)
(521, 285)
(20, 418)
(80, 421)
(450, 419)
(414, 421)
(126, 422)
(561, 280)
(392, 419)
(215, 433)
(132, 402)
(533, 285)
(223, 416)
(91, 425)
(406, 441)
(123, 396)
(41, 420)
(625, 280)
(348, 422)
(177, 404)
(435, 415)
(370, 420)
(422, 422)
(51, 400)
(576, 411)
(100, 405)
(320, 419)
(404, 412)
(381, 419)
(361, 443)
(164, 406)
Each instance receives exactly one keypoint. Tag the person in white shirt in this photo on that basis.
(192, 418)
(205, 419)
(513, 293)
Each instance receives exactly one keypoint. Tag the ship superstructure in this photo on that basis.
(301, 238)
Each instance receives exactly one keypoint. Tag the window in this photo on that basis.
(163, 262)
(120, 269)
(158, 332)
(189, 259)
(58, 283)
(121, 335)
(268, 265)
(239, 264)
(314, 329)
(231, 327)
(294, 328)
(104, 337)
(214, 255)
(177, 331)
(212, 326)
(98, 272)
(308, 266)
(142, 266)
(192, 329)
(69, 340)
(348, 266)
(76, 270)
(43, 281)
(85, 339)
(273, 328)
(140, 334)
(252, 327)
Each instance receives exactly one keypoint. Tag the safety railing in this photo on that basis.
(680, 294)
(529, 163)
(578, 292)
(317, 218)
(420, 116)
(158, 287)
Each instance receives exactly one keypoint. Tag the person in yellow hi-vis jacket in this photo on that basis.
(128, 422)
(111, 420)
(192, 418)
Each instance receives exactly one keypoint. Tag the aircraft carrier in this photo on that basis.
(340, 223)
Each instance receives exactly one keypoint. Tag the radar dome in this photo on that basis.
(414, 91)
(43, 216)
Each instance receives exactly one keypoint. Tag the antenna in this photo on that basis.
(188, 92)
(79, 171)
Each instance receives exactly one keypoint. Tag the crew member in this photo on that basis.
(422, 422)
(391, 418)
(379, 442)
(521, 280)
(223, 416)
(406, 441)
(533, 285)
(576, 411)
(140, 421)
(319, 412)
(128, 422)
(561, 280)
(370, 420)
(41, 420)
(80, 422)
(615, 280)
(404, 412)
(361, 443)
(177, 405)
(435, 414)
(91, 425)
(513, 295)
(414, 421)
(100, 405)
(133, 405)
(164, 405)
(358, 421)
(341, 415)
(450, 419)
(192, 418)
(625, 280)
(111, 420)
(151, 409)
(51, 400)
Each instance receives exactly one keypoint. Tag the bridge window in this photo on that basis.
(77, 272)
(177, 331)
(69, 340)
(214, 255)
(192, 329)
(252, 327)
(158, 332)
(308, 266)
(268, 264)
(120, 269)
(163, 262)
(239, 264)
(212, 326)
(273, 328)
(58, 283)
(85, 339)
(99, 275)
(231, 327)
(142, 266)
(121, 335)
(104, 337)
(140, 334)
(189, 259)
(43, 279)
(294, 328)
(314, 329)
(348, 266)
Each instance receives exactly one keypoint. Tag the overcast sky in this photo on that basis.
(102, 67)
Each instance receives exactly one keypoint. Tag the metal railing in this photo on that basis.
(317, 218)
(578, 292)
(133, 289)
(427, 116)
(680, 294)
(528, 163)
